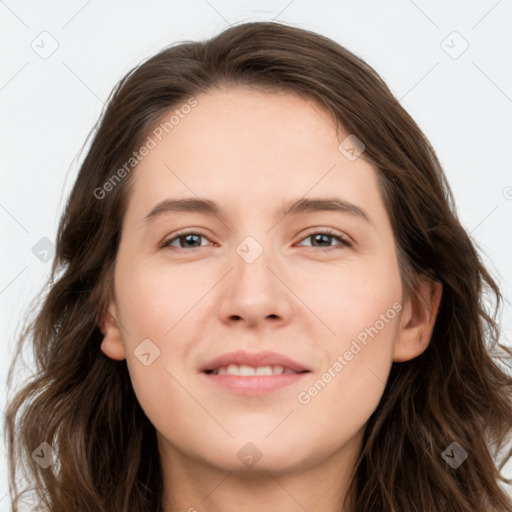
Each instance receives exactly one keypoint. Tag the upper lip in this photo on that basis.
(254, 359)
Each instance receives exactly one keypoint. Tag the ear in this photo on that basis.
(112, 344)
(417, 321)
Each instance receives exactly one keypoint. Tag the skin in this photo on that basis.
(251, 152)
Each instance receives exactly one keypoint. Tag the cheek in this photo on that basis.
(361, 307)
(156, 303)
(349, 298)
(155, 298)
(157, 372)
(344, 394)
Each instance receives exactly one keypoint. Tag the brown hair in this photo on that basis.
(82, 403)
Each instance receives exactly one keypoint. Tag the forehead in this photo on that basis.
(246, 146)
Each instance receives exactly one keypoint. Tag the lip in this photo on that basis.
(254, 359)
(254, 384)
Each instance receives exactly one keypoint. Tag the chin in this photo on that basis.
(253, 454)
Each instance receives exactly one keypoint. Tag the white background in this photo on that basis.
(48, 105)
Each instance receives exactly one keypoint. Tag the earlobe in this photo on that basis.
(417, 322)
(112, 344)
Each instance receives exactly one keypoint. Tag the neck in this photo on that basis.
(191, 485)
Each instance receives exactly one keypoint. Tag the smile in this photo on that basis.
(246, 371)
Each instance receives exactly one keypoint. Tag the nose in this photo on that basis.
(255, 293)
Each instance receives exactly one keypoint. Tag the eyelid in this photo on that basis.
(343, 238)
(190, 231)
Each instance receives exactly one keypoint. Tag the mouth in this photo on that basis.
(244, 370)
(253, 373)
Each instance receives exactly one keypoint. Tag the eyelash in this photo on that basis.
(344, 243)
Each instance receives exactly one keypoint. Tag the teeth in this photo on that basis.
(264, 370)
(246, 371)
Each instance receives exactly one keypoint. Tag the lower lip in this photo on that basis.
(254, 384)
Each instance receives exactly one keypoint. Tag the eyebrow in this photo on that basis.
(299, 206)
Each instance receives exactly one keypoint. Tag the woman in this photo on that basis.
(199, 347)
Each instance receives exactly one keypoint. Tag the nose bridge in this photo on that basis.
(254, 293)
(250, 249)
(251, 262)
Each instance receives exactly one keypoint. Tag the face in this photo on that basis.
(248, 324)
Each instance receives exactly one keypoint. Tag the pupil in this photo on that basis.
(188, 238)
(320, 236)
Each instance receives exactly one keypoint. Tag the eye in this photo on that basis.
(325, 236)
(186, 240)
(192, 240)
